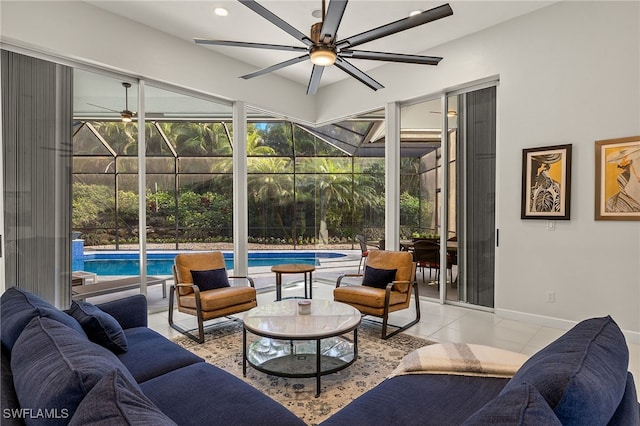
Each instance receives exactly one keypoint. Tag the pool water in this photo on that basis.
(160, 263)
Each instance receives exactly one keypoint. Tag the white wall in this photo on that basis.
(569, 73)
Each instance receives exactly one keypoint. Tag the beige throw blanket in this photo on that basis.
(461, 359)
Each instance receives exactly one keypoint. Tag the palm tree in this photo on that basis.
(338, 191)
(197, 139)
(267, 185)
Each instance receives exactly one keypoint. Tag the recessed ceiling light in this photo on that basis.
(415, 12)
(220, 11)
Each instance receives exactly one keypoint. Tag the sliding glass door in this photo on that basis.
(448, 145)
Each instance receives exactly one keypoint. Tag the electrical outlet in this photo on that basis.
(551, 225)
(550, 296)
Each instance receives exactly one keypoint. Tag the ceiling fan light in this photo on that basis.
(322, 56)
(126, 116)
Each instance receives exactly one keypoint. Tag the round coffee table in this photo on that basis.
(297, 345)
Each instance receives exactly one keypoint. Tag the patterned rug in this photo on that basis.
(376, 359)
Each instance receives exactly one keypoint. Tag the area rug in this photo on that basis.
(376, 359)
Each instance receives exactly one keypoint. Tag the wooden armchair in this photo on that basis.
(210, 295)
(386, 287)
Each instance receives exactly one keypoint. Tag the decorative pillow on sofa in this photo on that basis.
(54, 368)
(100, 327)
(582, 375)
(18, 307)
(520, 406)
(213, 278)
(378, 278)
(114, 400)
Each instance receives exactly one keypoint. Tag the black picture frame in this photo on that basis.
(546, 183)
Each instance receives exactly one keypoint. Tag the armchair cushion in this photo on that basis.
(220, 298)
(378, 278)
(210, 279)
(100, 327)
(372, 297)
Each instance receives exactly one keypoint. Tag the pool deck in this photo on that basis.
(265, 281)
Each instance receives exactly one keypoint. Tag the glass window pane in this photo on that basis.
(205, 165)
(197, 139)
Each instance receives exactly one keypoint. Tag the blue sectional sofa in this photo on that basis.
(102, 365)
(580, 379)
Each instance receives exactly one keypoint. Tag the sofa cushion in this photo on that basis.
(628, 412)
(210, 279)
(379, 278)
(522, 405)
(18, 307)
(151, 354)
(418, 400)
(592, 355)
(202, 394)
(100, 327)
(54, 367)
(129, 311)
(115, 400)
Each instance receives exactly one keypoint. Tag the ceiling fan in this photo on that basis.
(125, 115)
(323, 48)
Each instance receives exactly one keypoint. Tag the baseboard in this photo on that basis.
(562, 324)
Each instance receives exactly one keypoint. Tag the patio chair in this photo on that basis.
(386, 287)
(201, 288)
(364, 251)
(426, 254)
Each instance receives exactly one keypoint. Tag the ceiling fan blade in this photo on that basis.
(275, 67)
(102, 107)
(397, 26)
(357, 74)
(247, 44)
(269, 16)
(390, 57)
(332, 20)
(314, 81)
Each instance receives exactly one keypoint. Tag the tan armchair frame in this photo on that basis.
(190, 299)
(380, 302)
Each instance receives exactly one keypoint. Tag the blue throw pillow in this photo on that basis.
(54, 368)
(379, 278)
(114, 400)
(18, 307)
(592, 355)
(522, 405)
(213, 278)
(100, 327)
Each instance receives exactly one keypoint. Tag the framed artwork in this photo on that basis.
(618, 179)
(546, 183)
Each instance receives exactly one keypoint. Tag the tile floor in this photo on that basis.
(439, 323)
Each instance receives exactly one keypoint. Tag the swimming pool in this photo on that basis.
(159, 263)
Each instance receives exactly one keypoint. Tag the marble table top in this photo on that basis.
(282, 320)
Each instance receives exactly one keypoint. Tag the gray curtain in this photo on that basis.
(37, 152)
(480, 125)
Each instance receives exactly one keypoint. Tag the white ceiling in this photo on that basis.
(189, 19)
